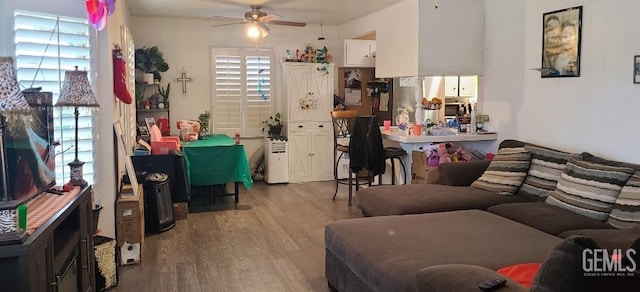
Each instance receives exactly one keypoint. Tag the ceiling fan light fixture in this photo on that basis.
(253, 31)
(321, 37)
(264, 30)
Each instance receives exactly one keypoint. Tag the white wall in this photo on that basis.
(186, 44)
(596, 112)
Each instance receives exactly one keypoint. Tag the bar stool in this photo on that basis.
(343, 122)
(394, 153)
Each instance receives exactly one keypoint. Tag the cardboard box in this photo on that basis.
(421, 173)
(130, 223)
(180, 211)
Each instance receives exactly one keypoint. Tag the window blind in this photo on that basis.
(241, 90)
(47, 46)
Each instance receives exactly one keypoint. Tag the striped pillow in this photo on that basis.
(626, 210)
(589, 188)
(546, 168)
(506, 172)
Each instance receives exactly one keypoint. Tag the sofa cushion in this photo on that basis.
(547, 218)
(387, 251)
(461, 173)
(626, 209)
(547, 165)
(568, 268)
(589, 188)
(429, 198)
(608, 238)
(458, 277)
(506, 172)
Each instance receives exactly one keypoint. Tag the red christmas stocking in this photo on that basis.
(120, 77)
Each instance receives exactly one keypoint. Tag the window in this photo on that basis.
(47, 46)
(241, 90)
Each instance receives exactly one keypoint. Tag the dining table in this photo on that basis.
(216, 159)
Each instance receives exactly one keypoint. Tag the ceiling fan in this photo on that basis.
(259, 20)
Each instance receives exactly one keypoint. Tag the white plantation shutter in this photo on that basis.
(47, 46)
(241, 90)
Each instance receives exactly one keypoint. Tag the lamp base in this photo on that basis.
(76, 173)
(14, 237)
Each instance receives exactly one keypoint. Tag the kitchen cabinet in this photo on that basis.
(57, 256)
(308, 93)
(311, 152)
(359, 53)
(460, 85)
(412, 40)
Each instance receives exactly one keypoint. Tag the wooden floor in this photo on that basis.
(273, 241)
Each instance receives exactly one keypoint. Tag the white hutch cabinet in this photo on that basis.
(308, 91)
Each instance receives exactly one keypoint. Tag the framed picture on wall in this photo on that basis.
(636, 69)
(561, 35)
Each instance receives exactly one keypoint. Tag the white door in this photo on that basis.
(467, 85)
(321, 144)
(357, 52)
(451, 86)
(299, 156)
(321, 85)
(297, 90)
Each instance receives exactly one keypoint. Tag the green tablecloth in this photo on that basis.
(216, 159)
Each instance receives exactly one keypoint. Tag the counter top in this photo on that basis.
(400, 136)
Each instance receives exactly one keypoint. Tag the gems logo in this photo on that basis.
(598, 262)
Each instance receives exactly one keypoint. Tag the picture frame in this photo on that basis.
(636, 69)
(143, 130)
(149, 121)
(561, 42)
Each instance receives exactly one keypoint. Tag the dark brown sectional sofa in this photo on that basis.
(451, 237)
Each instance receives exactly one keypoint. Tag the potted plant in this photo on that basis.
(204, 119)
(150, 60)
(274, 123)
(165, 96)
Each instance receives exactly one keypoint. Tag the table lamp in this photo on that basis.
(11, 101)
(76, 92)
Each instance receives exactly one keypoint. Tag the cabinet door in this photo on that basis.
(321, 144)
(467, 85)
(357, 53)
(297, 89)
(371, 60)
(299, 156)
(86, 245)
(451, 86)
(321, 88)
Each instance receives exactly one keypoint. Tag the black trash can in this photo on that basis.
(158, 208)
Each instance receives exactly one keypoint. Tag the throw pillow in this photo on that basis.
(546, 168)
(568, 269)
(521, 273)
(626, 210)
(506, 172)
(589, 188)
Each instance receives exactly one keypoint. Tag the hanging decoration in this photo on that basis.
(120, 76)
(98, 10)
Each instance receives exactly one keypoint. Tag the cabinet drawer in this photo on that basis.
(308, 126)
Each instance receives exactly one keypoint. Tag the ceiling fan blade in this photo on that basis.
(269, 17)
(289, 23)
(226, 17)
(226, 24)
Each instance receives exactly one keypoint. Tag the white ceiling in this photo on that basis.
(309, 11)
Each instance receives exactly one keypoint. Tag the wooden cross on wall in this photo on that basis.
(184, 79)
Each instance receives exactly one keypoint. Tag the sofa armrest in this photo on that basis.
(458, 277)
(461, 173)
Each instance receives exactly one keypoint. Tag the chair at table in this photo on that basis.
(342, 123)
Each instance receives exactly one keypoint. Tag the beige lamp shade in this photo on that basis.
(11, 98)
(76, 90)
